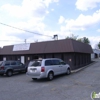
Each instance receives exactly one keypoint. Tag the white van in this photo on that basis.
(47, 68)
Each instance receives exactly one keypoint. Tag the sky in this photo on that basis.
(49, 17)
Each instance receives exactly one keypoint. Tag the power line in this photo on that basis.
(24, 30)
(11, 40)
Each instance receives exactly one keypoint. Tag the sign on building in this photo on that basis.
(19, 47)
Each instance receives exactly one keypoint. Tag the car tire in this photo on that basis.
(34, 79)
(50, 76)
(68, 71)
(9, 73)
(1, 74)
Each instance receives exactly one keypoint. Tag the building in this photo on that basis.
(76, 54)
(95, 54)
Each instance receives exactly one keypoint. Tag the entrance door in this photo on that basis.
(23, 59)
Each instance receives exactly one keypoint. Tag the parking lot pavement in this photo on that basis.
(77, 86)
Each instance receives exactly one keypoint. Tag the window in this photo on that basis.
(19, 63)
(56, 62)
(13, 63)
(62, 63)
(48, 62)
(36, 63)
(30, 63)
(7, 63)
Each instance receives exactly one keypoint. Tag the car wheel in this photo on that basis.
(1, 74)
(9, 73)
(34, 79)
(68, 71)
(50, 76)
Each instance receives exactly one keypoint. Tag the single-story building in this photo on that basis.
(75, 53)
(95, 54)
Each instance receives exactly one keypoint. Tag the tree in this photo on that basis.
(86, 40)
(80, 39)
(75, 37)
(72, 36)
(99, 45)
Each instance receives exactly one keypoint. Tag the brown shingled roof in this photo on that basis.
(57, 46)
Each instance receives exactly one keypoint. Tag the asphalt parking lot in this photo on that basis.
(77, 86)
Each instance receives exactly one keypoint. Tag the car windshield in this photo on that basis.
(36, 63)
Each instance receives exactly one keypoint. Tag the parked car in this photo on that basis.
(9, 67)
(47, 68)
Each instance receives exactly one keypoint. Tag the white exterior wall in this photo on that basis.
(92, 56)
(4, 58)
(97, 51)
(23, 59)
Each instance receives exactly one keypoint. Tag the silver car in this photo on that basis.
(47, 68)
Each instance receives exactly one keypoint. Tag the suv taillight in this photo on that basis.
(42, 69)
(2, 68)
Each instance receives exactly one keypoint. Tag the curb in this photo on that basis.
(76, 70)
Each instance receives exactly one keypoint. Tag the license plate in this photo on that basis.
(33, 70)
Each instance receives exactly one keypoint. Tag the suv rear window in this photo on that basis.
(36, 63)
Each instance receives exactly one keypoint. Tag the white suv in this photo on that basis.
(47, 68)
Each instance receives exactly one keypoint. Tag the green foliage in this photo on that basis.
(84, 39)
(99, 45)
(72, 36)
(80, 39)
